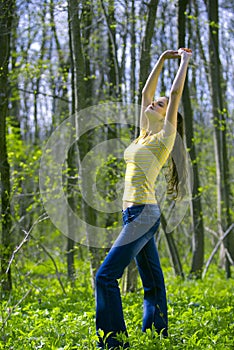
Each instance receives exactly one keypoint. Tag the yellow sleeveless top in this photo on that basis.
(144, 159)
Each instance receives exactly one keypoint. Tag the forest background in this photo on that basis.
(63, 59)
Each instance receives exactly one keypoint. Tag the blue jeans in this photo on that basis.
(136, 240)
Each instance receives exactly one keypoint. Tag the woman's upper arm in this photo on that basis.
(145, 101)
(170, 124)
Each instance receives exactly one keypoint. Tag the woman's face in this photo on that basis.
(157, 108)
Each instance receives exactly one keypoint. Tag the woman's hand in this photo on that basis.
(170, 54)
(183, 52)
(177, 53)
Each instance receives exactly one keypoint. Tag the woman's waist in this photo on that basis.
(133, 197)
(141, 213)
(137, 205)
(127, 204)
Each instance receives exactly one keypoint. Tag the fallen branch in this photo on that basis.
(13, 308)
(216, 249)
(229, 257)
(215, 234)
(27, 234)
(53, 261)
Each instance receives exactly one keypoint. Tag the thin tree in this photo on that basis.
(113, 64)
(6, 15)
(196, 206)
(219, 111)
(78, 101)
(145, 55)
(79, 93)
(37, 82)
(133, 51)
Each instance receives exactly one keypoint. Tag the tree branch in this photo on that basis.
(114, 48)
(29, 234)
(32, 92)
(14, 307)
(216, 249)
(53, 261)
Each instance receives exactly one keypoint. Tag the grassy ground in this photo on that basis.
(201, 315)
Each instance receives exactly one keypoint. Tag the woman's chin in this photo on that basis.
(154, 116)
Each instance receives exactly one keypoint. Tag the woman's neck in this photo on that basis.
(154, 128)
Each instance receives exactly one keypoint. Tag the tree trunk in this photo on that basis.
(86, 32)
(220, 129)
(113, 64)
(38, 78)
(6, 13)
(130, 278)
(60, 106)
(133, 53)
(77, 102)
(195, 206)
(173, 251)
(85, 141)
(146, 46)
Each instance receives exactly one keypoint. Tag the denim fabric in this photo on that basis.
(136, 241)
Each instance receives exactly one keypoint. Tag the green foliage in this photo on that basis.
(200, 315)
(24, 163)
(200, 312)
(110, 172)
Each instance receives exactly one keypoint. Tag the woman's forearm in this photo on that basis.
(178, 83)
(176, 93)
(152, 81)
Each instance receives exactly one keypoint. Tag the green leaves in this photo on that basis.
(200, 316)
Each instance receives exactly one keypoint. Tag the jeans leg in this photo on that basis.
(155, 304)
(109, 313)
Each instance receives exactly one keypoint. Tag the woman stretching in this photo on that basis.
(141, 215)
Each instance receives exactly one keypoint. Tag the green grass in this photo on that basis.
(201, 315)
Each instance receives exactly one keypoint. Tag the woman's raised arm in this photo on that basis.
(151, 84)
(176, 91)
